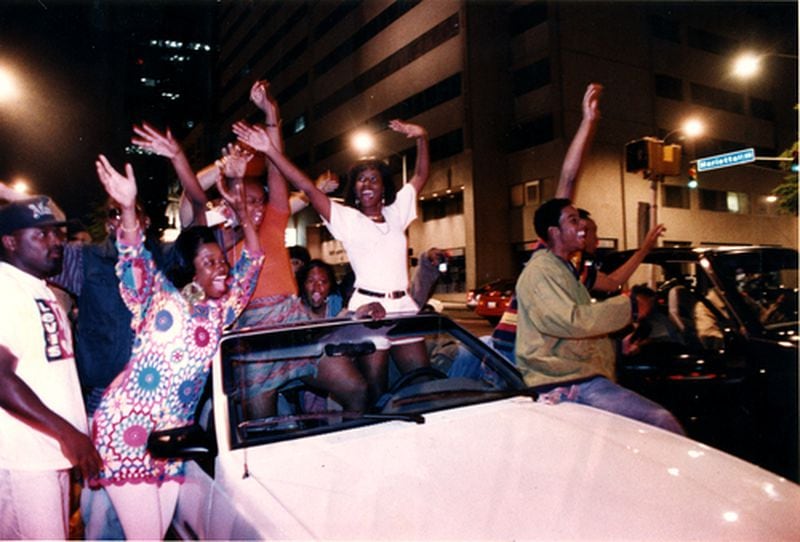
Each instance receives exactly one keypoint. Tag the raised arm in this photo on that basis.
(261, 97)
(122, 189)
(422, 166)
(613, 281)
(163, 144)
(19, 400)
(327, 182)
(234, 165)
(9, 194)
(579, 147)
(257, 138)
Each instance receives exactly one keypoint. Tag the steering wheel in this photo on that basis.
(428, 372)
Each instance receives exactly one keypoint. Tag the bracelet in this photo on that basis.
(130, 230)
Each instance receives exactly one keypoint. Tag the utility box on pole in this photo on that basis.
(652, 156)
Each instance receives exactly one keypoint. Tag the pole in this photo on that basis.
(654, 186)
(405, 169)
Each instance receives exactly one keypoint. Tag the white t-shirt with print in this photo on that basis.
(34, 327)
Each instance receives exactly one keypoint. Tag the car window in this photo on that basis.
(271, 367)
(763, 282)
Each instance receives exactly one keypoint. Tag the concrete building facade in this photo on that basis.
(498, 85)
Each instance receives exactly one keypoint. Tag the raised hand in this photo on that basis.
(410, 130)
(591, 101)
(150, 139)
(327, 182)
(652, 236)
(254, 136)
(260, 96)
(121, 188)
(234, 161)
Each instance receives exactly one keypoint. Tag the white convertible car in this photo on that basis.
(457, 450)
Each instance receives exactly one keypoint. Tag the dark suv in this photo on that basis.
(728, 369)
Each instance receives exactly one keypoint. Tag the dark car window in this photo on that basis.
(763, 283)
(270, 365)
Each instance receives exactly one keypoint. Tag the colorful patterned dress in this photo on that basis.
(174, 343)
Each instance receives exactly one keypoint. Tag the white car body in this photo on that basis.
(507, 469)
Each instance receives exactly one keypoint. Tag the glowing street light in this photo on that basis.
(21, 186)
(363, 143)
(746, 65)
(9, 89)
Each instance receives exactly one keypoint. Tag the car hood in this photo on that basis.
(512, 469)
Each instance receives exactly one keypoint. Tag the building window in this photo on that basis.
(365, 33)
(669, 87)
(298, 124)
(717, 98)
(412, 106)
(442, 207)
(526, 16)
(533, 193)
(713, 43)
(720, 200)
(527, 193)
(531, 77)
(447, 29)
(663, 28)
(761, 109)
(675, 196)
(531, 133)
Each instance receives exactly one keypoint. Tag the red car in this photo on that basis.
(494, 298)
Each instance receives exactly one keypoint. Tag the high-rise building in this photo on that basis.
(498, 85)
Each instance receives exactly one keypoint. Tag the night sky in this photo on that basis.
(63, 56)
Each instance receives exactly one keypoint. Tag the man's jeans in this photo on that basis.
(600, 392)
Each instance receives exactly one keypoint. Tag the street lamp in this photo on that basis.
(748, 63)
(9, 89)
(364, 143)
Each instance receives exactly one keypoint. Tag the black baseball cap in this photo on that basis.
(35, 212)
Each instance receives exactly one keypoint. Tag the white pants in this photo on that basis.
(34, 504)
(144, 510)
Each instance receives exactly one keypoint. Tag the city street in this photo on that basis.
(455, 308)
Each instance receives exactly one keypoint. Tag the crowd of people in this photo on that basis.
(149, 318)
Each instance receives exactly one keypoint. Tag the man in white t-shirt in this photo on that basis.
(42, 419)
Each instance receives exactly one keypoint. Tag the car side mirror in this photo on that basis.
(189, 442)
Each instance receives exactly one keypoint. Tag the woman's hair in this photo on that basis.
(186, 246)
(389, 191)
(303, 275)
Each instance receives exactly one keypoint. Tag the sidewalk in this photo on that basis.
(452, 300)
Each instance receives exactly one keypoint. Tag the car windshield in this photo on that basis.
(764, 282)
(270, 397)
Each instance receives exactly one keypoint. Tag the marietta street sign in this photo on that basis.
(728, 159)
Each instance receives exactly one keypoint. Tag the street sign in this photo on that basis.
(718, 161)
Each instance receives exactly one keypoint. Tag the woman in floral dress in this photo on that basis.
(178, 321)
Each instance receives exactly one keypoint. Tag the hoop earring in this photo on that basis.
(193, 292)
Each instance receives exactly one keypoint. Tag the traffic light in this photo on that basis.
(653, 157)
(692, 177)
